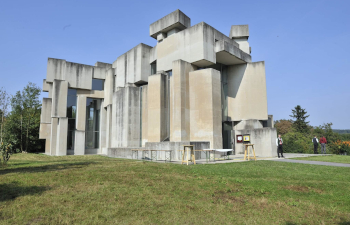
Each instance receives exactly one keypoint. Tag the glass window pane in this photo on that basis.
(97, 84)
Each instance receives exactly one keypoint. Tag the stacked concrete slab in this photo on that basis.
(178, 92)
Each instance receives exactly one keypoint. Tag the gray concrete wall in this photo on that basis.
(247, 97)
(248, 124)
(264, 140)
(126, 118)
(59, 98)
(62, 130)
(144, 116)
(45, 116)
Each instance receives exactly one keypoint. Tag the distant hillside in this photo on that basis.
(341, 131)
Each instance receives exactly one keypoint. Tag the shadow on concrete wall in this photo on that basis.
(234, 79)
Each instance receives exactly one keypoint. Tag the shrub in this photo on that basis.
(6, 150)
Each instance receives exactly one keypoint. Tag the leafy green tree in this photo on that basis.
(4, 104)
(284, 126)
(299, 123)
(24, 120)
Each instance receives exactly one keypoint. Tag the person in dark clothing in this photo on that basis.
(279, 143)
(315, 141)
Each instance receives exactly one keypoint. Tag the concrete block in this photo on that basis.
(103, 127)
(99, 73)
(205, 107)
(180, 101)
(45, 116)
(161, 36)
(264, 140)
(176, 19)
(46, 86)
(79, 142)
(133, 66)
(126, 118)
(247, 92)
(104, 65)
(79, 75)
(53, 137)
(229, 54)
(153, 54)
(55, 69)
(59, 98)
(81, 113)
(144, 116)
(239, 31)
(62, 130)
(45, 131)
(108, 127)
(108, 87)
(157, 108)
(270, 122)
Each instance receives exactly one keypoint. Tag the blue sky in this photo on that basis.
(305, 44)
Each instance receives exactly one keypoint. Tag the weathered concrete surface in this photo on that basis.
(46, 86)
(248, 124)
(205, 107)
(108, 87)
(45, 130)
(45, 116)
(270, 122)
(103, 129)
(61, 142)
(59, 98)
(126, 118)
(229, 54)
(247, 98)
(180, 101)
(55, 69)
(144, 116)
(53, 136)
(81, 113)
(79, 142)
(108, 128)
(79, 75)
(176, 19)
(239, 31)
(133, 66)
(264, 140)
(157, 107)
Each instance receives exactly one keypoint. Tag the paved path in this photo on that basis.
(313, 162)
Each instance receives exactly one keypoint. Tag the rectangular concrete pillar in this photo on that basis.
(62, 131)
(81, 112)
(59, 98)
(247, 98)
(144, 112)
(45, 116)
(103, 126)
(108, 126)
(205, 107)
(126, 118)
(108, 87)
(45, 133)
(79, 142)
(55, 69)
(180, 101)
(53, 136)
(157, 107)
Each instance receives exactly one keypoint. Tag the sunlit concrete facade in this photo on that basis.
(195, 86)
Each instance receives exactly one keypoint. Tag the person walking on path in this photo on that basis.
(315, 141)
(279, 143)
(323, 142)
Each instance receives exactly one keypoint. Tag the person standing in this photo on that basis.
(315, 141)
(323, 142)
(279, 143)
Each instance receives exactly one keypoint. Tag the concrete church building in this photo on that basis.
(195, 86)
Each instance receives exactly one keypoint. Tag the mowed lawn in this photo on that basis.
(331, 158)
(39, 189)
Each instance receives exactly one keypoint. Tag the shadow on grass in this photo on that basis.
(13, 190)
(45, 168)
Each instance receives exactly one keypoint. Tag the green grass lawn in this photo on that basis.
(39, 189)
(331, 158)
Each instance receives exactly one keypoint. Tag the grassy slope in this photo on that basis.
(332, 158)
(38, 189)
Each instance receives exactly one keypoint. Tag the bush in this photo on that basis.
(340, 147)
(6, 150)
(295, 142)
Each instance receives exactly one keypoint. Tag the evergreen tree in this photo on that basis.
(299, 123)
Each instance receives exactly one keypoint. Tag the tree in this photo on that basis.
(24, 120)
(4, 104)
(300, 124)
(284, 126)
